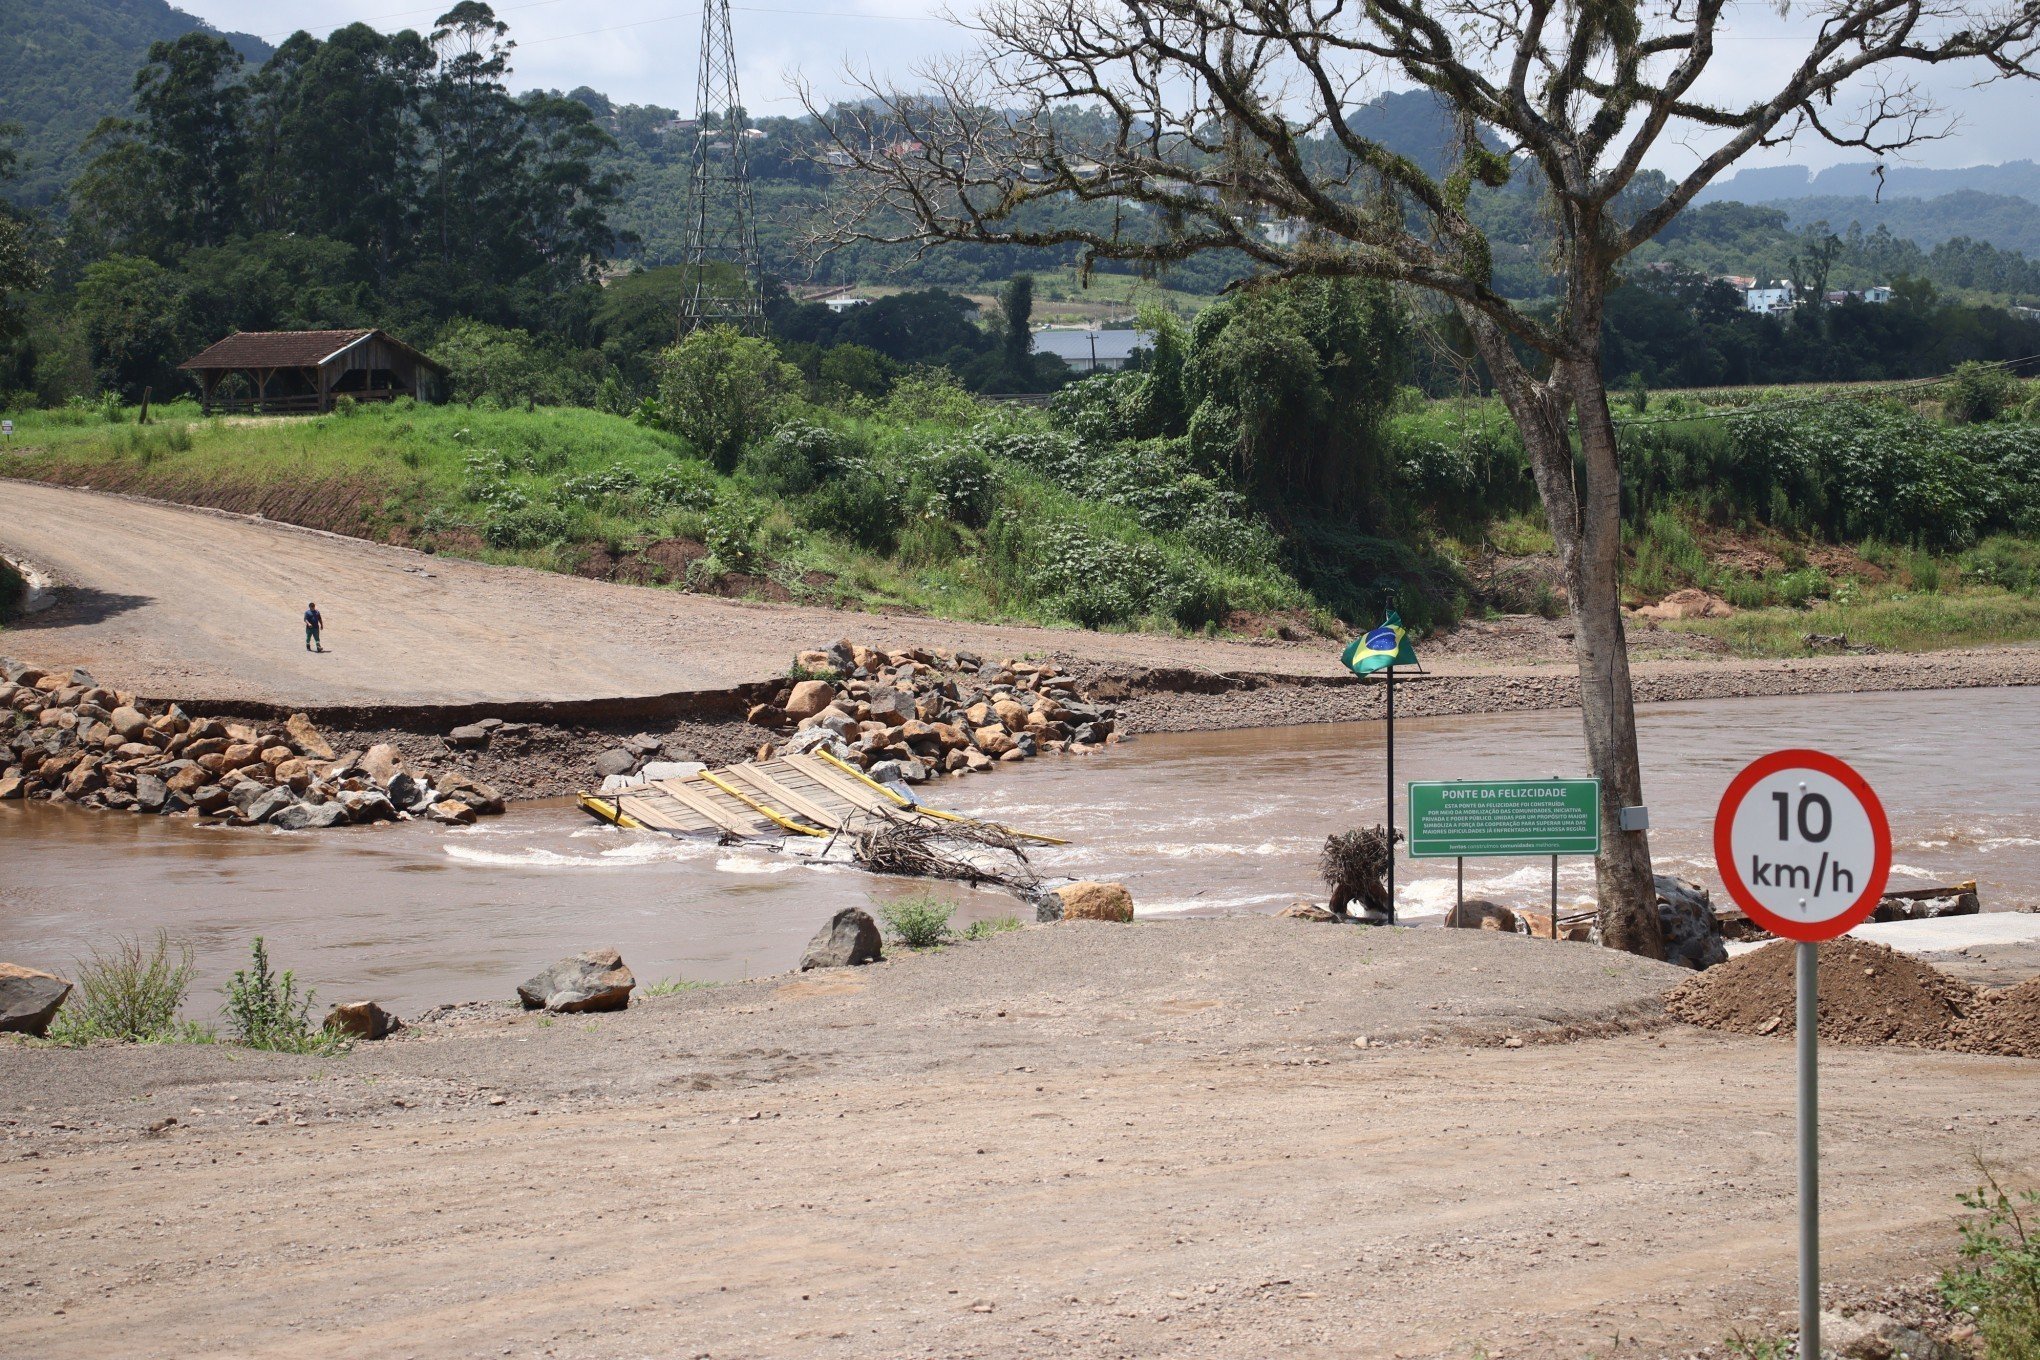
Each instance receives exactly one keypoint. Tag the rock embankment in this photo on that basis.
(907, 716)
(70, 739)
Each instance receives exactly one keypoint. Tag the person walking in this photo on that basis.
(313, 623)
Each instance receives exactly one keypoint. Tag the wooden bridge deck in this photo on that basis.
(807, 795)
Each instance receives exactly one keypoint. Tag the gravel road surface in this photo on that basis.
(1079, 1140)
(187, 603)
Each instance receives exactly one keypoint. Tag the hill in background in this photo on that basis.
(66, 64)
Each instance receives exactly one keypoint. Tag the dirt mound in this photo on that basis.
(1868, 995)
(2005, 1022)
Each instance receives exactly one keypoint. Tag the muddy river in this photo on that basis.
(1196, 823)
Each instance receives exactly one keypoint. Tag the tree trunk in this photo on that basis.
(1586, 530)
(1628, 895)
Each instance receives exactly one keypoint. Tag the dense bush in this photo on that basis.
(798, 458)
(860, 507)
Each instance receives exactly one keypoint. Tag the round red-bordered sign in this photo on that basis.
(1806, 875)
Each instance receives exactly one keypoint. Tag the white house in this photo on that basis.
(1774, 300)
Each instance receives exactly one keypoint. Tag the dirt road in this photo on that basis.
(198, 604)
(1082, 1140)
(202, 606)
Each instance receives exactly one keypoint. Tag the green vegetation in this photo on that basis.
(673, 986)
(991, 927)
(920, 921)
(129, 993)
(266, 1010)
(1998, 1282)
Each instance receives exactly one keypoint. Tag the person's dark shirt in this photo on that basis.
(312, 619)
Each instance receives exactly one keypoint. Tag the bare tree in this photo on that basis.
(1216, 115)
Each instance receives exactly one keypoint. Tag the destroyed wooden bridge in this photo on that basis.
(805, 795)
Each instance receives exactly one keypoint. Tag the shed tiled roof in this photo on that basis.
(286, 349)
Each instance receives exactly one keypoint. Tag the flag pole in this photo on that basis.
(1391, 792)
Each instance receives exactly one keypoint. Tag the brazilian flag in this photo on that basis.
(1388, 645)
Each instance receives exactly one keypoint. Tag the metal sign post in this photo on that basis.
(1804, 847)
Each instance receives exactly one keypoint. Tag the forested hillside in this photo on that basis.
(66, 64)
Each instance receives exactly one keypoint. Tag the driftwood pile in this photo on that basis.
(1354, 865)
(970, 852)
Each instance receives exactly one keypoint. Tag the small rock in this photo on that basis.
(129, 722)
(29, 999)
(851, 937)
(1307, 911)
(468, 737)
(593, 981)
(361, 1020)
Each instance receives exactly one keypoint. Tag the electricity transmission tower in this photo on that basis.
(724, 284)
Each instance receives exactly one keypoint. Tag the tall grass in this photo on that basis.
(129, 992)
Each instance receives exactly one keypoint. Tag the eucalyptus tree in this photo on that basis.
(1223, 125)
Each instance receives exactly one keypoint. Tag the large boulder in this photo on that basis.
(809, 697)
(1477, 913)
(307, 737)
(309, 817)
(1686, 916)
(151, 793)
(851, 937)
(380, 761)
(361, 1020)
(481, 797)
(265, 805)
(1089, 901)
(596, 980)
(615, 760)
(29, 999)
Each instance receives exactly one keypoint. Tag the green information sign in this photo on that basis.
(1472, 818)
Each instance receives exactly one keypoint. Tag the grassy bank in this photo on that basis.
(927, 502)
(1896, 527)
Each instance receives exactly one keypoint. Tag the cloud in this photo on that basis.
(647, 51)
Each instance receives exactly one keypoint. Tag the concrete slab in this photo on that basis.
(1945, 935)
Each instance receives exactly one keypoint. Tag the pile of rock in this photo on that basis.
(70, 739)
(910, 715)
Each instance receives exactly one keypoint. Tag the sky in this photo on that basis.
(645, 52)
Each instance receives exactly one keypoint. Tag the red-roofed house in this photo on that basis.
(309, 370)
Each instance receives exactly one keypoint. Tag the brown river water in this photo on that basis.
(1212, 822)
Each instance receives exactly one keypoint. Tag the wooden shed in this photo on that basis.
(308, 370)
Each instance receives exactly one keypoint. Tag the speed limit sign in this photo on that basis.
(1803, 845)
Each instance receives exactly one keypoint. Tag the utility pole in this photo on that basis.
(724, 283)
